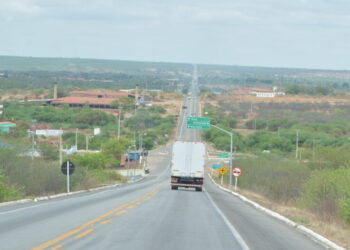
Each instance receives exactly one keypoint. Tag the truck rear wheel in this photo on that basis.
(174, 187)
(199, 189)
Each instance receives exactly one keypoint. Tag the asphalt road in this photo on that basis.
(147, 215)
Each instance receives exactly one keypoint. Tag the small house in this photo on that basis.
(5, 126)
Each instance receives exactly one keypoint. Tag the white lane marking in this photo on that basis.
(53, 202)
(21, 209)
(229, 225)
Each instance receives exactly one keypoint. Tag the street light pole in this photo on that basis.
(60, 148)
(231, 153)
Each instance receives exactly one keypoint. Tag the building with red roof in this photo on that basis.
(91, 98)
(99, 94)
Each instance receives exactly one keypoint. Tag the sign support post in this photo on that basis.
(67, 168)
(222, 171)
(236, 179)
(67, 176)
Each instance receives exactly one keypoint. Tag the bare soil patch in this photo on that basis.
(289, 99)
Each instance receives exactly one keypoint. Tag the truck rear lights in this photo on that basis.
(173, 179)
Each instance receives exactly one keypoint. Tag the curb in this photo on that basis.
(50, 197)
(302, 229)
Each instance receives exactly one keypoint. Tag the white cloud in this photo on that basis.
(226, 31)
(19, 7)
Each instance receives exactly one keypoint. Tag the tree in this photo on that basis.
(266, 140)
(114, 148)
(91, 161)
(125, 102)
(49, 152)
(92, 117)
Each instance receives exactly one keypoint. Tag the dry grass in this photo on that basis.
(171, 102)
(288, 99)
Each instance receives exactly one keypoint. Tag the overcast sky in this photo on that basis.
(283, 33)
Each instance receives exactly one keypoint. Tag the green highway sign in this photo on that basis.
(223, 155)
(198, 122)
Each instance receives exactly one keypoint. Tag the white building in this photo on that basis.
(266, 93)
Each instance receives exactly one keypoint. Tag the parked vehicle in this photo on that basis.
(187, 169)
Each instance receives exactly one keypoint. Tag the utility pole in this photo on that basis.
(60, 148)
(136, 96)
(297, 144)
(76, 139)
(141, 140)
(87, 142)
(135, 139)
(119, 115)
(255, 124)
(33, 138)
(313, 149)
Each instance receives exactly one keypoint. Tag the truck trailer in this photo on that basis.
(187, 165)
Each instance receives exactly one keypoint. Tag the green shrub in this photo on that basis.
(8, 192)
(49, 152)
(114, 148)
(106, 177)
(272, 176)
(327, 193)
(91, 161)
(92, 117)
(264, 140)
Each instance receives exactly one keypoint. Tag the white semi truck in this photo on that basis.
(187, 165)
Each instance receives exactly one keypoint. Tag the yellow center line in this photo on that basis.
(58, 247)
(77, 230)
(134, 201)
(106, 221)
(86, 225)
(121, 212)
(130, 206)
(84, 234)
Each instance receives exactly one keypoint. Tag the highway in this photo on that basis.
(148, 214)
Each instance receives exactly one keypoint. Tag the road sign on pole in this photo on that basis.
(216, 166)
(236, 172)
(198, 122)
(223, 155)
(67, 168)
(223, 170)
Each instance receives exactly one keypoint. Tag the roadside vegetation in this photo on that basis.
(21, 176)
(315, 176)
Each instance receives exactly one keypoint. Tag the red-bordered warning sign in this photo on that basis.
(236, 171)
